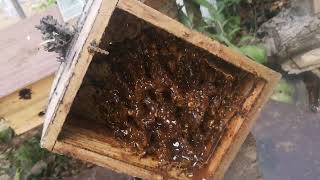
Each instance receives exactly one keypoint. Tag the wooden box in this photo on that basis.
(72, 128)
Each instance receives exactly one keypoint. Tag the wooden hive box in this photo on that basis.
(198, 78)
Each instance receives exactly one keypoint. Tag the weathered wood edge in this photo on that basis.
(102, 145)
(316, 6)
(23, 115)
(22, 63)
(104, 161)
(71, 50)
(53, 95)
(60, 82)
(246, 127)
(73, 71)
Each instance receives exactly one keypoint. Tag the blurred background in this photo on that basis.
(281, 34)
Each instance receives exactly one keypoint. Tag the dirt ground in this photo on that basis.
(288, 142)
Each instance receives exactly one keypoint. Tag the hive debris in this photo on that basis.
(56, 36)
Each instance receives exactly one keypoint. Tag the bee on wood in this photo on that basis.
(56, 37)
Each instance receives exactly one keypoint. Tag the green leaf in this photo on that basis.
(6, 135)
(256, 53)
(245, 39)
(28, 154)
(17, 175)
(184, 19)
(233, 32)
(283, 92)
(231, 20)
(203, 29)
(221, 7)
(204, 3)
(230, 2)
(220, 38)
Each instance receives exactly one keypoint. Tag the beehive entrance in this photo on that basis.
(156, 96)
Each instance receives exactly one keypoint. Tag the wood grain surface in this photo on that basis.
(22, 61)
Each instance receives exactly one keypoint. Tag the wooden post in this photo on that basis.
(290, 33)
(303, 62)
(18, 9)
(316, 6)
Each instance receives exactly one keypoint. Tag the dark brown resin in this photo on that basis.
(158, 95)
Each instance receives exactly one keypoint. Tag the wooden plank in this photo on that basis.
(21, 61)
(86, 134)
(290, 33)
(24, 65)
(303, 62)
(22, 115)
(225, 152)
(95, 138)
(18, 8)
(310, 58)
(227, 140)
(76, 67)
(104, 161)
(316, 6)
(245, 128)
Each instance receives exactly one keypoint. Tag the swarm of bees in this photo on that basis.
(56, 37)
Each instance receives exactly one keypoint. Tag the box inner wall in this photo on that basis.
(157, 96)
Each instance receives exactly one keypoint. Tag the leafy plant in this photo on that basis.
(284, 92)
(30, 161)
(6, 135)
(45, 4)
(223, 24)
(28, 155)
(255, 52)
